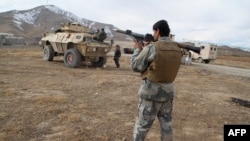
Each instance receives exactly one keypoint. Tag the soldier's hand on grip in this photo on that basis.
(138, 44)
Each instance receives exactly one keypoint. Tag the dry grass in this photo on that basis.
(43, 101)
(234, 61)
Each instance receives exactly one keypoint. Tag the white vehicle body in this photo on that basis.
(208, 53)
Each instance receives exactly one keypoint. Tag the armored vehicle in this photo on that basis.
(77, 44)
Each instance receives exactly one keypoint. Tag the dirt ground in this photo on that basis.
(47, 101)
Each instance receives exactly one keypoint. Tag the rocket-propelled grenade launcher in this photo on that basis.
(149, 38)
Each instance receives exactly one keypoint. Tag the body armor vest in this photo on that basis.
(165, 66)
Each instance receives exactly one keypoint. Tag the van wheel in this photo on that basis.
(200, 60)
(100, 62)
(72, 58)
(48, 53)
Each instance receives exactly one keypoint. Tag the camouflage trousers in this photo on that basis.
(147, 112)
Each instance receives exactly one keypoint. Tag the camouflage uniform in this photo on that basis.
(155, 98)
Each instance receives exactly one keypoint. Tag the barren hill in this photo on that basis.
(33, 22)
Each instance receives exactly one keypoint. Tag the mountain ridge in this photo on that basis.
(34, 22)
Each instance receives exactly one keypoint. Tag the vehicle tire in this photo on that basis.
(200, 60)
(206, 61)
(100, 62)
(48, 53)
(72, 58)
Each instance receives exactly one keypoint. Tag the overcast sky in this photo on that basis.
(217, 21)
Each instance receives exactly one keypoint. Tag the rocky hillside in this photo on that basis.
(33, 22)
(228, 51)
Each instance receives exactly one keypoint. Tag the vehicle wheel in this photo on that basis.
(48, 53)
(206, 61)
(72, 58)
(100, 62)
(200, 60)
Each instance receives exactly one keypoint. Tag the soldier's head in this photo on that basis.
(117, 46)
(161, 29)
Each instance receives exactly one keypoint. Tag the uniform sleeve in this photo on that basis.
(141, 58)
(119, 53)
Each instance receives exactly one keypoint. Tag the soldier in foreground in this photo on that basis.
(158, 64)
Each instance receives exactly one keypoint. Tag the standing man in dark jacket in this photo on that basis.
(158, 64)
(117, 56)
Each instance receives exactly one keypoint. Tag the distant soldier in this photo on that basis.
(96, 35)
(117, 55)
(183, 56)
(112, 41)
(189, 58)
(102, 35)
(97, 31)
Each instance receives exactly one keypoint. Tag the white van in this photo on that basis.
(207, 53)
